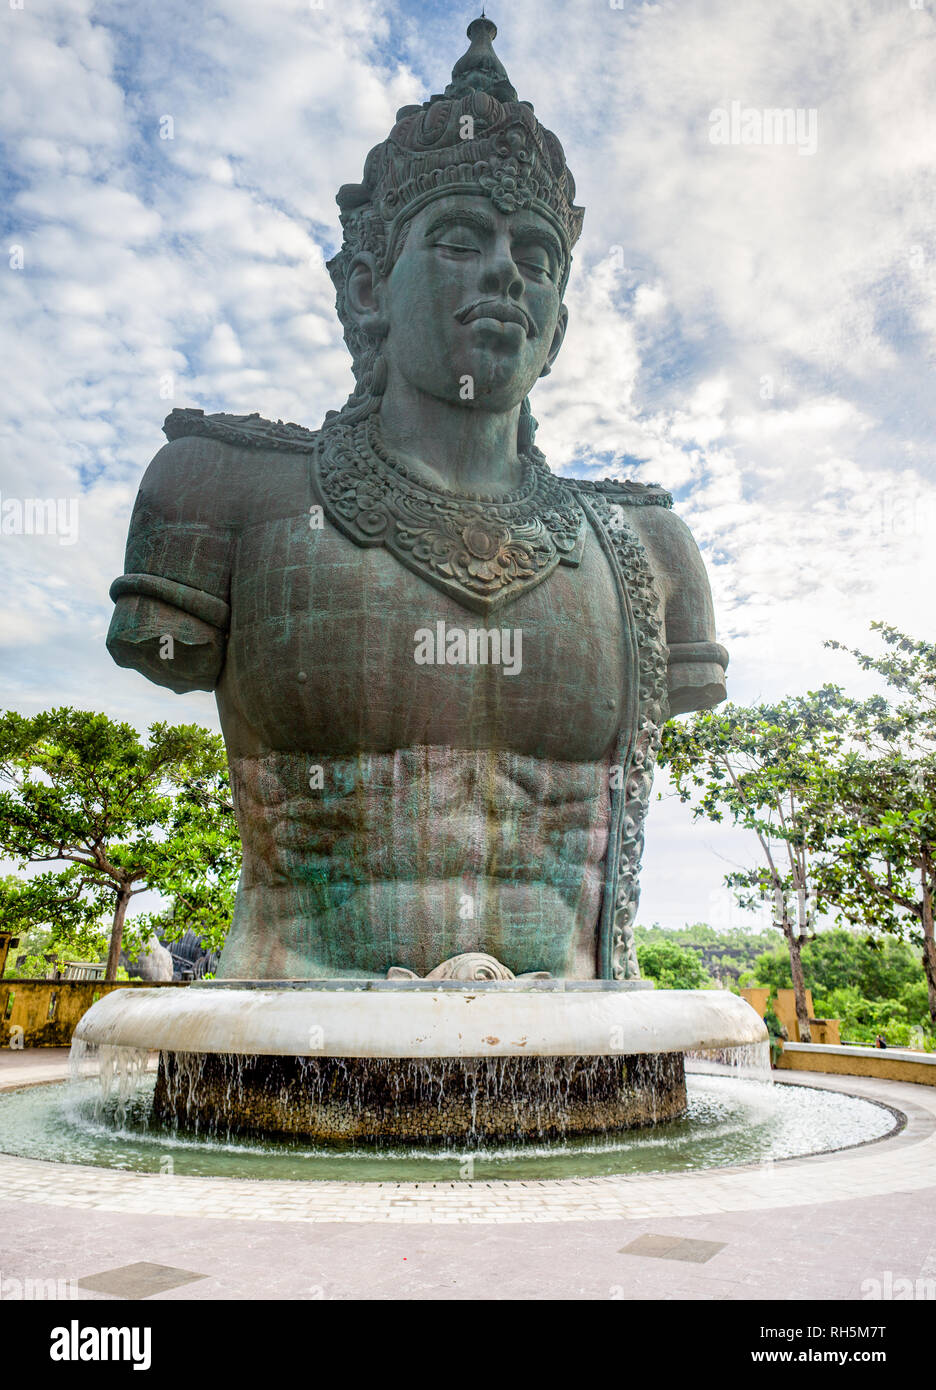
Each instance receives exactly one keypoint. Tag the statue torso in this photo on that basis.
(396, 811)
(323, 642)
(452, 807)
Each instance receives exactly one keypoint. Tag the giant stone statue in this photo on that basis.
(441, 670)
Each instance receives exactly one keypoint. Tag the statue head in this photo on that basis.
(457, 246)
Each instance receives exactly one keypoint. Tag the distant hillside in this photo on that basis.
(725, 955)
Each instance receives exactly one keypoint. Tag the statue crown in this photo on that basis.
(475, 137)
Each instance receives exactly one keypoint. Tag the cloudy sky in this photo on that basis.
(753, 324)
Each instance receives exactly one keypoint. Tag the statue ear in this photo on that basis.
(364, 295)
(561, 326)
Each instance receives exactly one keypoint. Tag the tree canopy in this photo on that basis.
(756, 766)
(117, 815)
(871, 817)
(672, 966)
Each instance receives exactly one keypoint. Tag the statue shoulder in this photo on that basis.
(216, 469)
(240, 431)
(622, 491)
(673, 553)
(696, 661)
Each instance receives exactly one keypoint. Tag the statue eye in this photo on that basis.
(457, 235)
(535, 260)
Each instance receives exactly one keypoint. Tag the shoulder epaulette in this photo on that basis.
(244, 431)
(624, 491)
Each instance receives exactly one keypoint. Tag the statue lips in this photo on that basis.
(502, 311)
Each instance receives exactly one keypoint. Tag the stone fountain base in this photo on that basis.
(339, 1100)
(349, 1060)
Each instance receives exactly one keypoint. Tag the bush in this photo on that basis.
(39, 942)
(862, 1019)
(672, 966)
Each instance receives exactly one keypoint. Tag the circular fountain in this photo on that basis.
(104, 1117)
(342, 1060)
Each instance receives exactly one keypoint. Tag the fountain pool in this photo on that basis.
(731, 1119)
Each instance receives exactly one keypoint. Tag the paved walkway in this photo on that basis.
(814, 1228)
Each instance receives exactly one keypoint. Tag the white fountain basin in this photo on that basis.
(344, 1018)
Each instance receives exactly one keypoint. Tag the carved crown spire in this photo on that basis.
(480, 69)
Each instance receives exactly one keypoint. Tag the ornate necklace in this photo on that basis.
(483, 551)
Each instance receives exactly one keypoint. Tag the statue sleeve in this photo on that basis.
(172, 603)
(696, 663)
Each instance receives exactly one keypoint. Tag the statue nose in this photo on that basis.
(501, 276)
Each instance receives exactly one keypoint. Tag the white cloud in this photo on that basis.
(762, 341)
(222, 348)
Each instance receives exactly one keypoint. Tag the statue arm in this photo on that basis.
(172, 603)
(696, 662)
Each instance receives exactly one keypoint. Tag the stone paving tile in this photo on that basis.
(685, 1248)
(139, 1280)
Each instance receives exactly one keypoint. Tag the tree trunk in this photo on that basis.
(799, 984)
(929, 944)
(120, 912)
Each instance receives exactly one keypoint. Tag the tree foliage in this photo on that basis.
(871, 819)
(757, 767)
(727, 956)
(672, 966)
(118, 816)
(878, 968)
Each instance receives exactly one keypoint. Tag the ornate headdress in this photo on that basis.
(474, 138)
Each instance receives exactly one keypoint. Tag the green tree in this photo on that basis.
(870, 984)
(53, 915)
(672, 966)
(862, 1019)
(119, 815)
(756, 766)
(872, 814)
(880, 968)
(205, 908)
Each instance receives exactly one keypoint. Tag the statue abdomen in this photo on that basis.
(411, 857)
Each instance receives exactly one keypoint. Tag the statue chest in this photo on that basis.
(338, 647)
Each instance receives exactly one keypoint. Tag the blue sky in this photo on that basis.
(756, 324)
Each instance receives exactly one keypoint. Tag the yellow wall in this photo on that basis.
(785, 1009)
(757, 998)
(45, 1013)
(822, 1030)
(873, 1063)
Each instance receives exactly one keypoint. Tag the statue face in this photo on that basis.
(474, 294)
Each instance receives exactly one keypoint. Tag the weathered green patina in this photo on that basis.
(441, 670)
